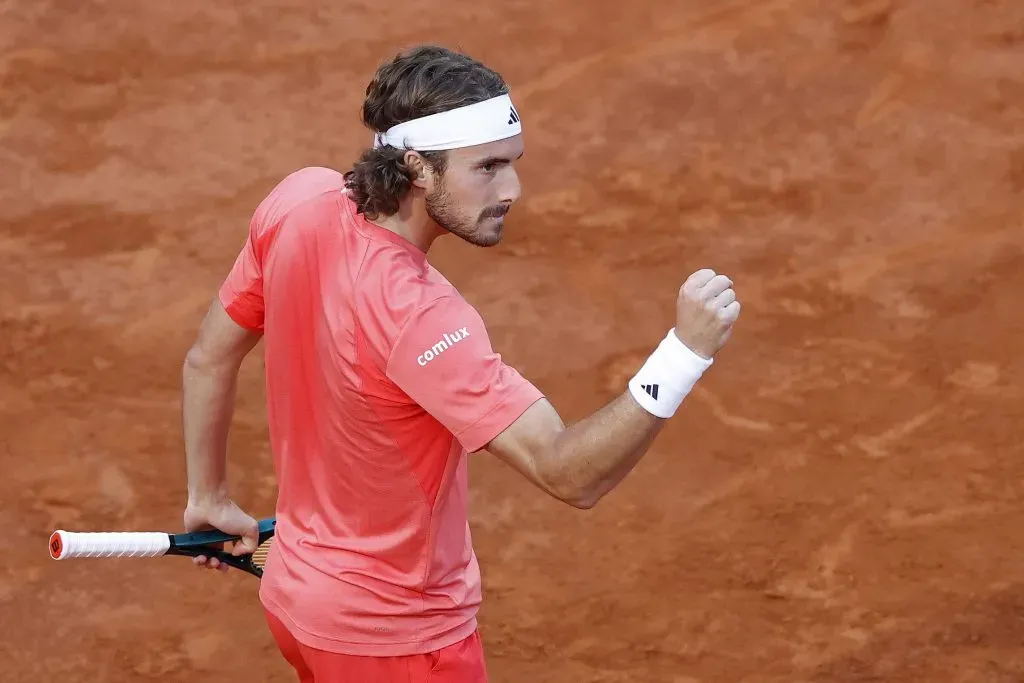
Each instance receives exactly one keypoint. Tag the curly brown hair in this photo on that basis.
(419, 82)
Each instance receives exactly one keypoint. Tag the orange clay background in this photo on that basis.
(839, 500)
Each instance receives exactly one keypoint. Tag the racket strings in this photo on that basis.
(259, 556)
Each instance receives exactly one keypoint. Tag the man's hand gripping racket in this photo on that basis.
(246, 550)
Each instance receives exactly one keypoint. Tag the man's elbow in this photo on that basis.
(583, 501)
(199, 361)
(220, 345)
(575, 493)
(564, 482)
(196, 361)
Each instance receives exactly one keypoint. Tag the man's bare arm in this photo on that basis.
(578, 464)
(209, 380)
(581, 463)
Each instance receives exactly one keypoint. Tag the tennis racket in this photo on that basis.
(65, 545)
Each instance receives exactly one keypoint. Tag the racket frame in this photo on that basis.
(204, 543)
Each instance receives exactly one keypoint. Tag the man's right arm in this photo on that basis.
(578, 464)
(581, 463)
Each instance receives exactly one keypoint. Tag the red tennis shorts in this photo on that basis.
(462, 662)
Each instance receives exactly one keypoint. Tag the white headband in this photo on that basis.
(474, 124)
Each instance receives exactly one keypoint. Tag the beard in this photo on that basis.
(444, 211)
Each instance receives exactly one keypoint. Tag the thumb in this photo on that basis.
(249, 541)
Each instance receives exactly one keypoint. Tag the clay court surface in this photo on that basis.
(839, 501)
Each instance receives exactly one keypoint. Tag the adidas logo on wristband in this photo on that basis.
(651, 389)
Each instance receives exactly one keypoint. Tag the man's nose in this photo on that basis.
(511, 189)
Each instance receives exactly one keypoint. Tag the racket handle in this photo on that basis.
(65, 544)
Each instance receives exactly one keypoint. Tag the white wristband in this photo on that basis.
(667, 377)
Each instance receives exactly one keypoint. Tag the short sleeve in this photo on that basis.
(241, 293)
(443, 360)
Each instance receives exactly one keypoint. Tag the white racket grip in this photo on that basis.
(67, 544)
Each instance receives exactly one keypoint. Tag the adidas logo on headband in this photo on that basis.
(513, 116)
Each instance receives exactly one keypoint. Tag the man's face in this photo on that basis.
(477, 189)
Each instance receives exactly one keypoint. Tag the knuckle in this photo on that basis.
(719, 283)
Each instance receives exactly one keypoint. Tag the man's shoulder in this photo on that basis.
(298, 189)
(310, 180)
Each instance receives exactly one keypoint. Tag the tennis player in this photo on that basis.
(381, 380)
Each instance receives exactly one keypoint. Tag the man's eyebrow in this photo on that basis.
(498, 160)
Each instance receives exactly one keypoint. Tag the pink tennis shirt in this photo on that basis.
(380, 380)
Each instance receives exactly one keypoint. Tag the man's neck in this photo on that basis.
(412, 222)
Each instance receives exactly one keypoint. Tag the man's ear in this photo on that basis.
(419, 168)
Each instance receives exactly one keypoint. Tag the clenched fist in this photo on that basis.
(706, 310)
